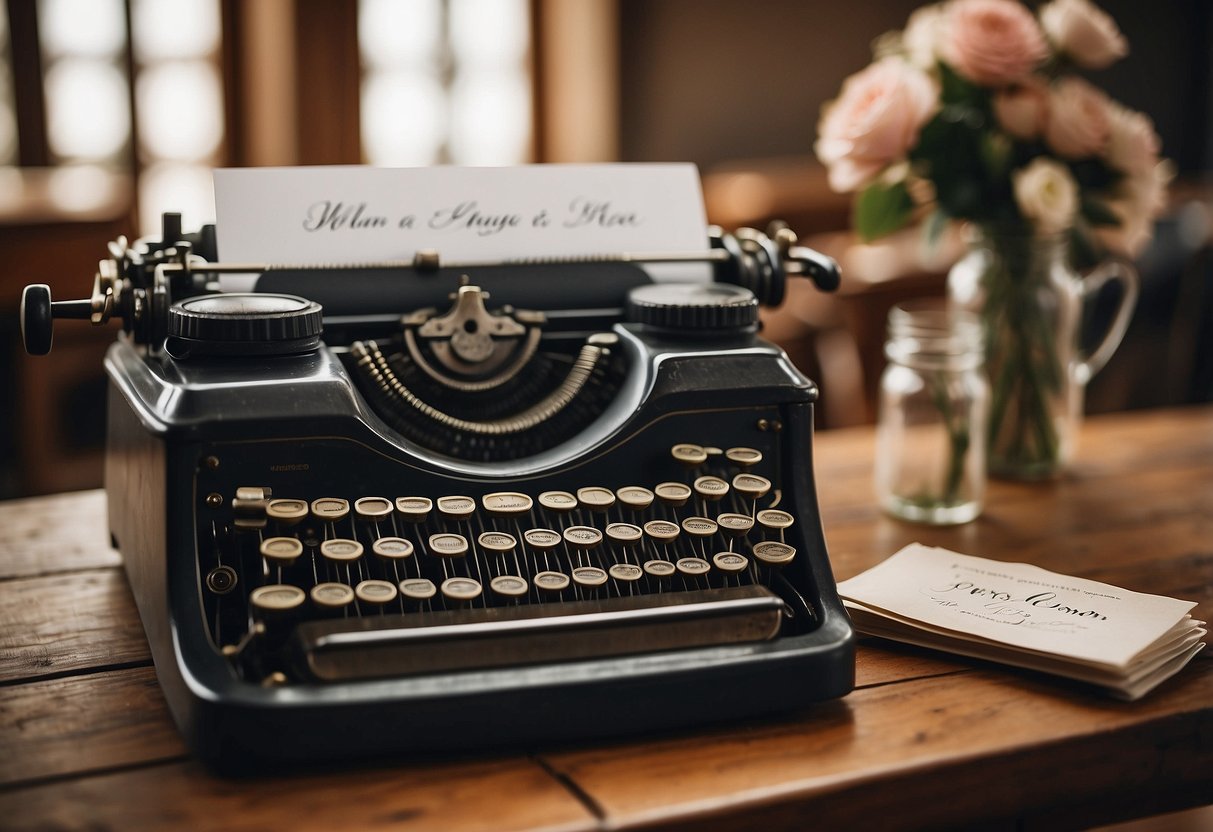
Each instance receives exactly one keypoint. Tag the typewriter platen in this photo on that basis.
(432, 506)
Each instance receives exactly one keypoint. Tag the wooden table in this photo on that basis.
(924, 741)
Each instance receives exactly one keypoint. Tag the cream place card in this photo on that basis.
(1126, 642)
(353, 214)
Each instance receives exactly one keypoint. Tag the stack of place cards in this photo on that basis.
(1125, 642)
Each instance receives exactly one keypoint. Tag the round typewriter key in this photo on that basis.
(221, 580)
(659, 568)
(635, 497)
(663, 531)
(286, 512)
(623, 534)
(542, 539)
(596, 498)
(341, 550)
(711, 488)
(448, 545)
(507, 503)
(559, 501)
(373, 509)
(414, 509)
(461, 589)
(693, 567)
(773, 518)
(582, 537)
(392, 548)
(497, 541)
(375, 592)
(751, 485)
(418, 589)
(332, 595)
(730, 562)
(689, 455)
(281, 550)
(735, 525)
(551, 581)
(673, 493)
(276, 598)
(626, 572)
(456, 508)
(743, 457)
(330, 509)
(509, 586)
(589, 576)
(774, 553)
(699, 526)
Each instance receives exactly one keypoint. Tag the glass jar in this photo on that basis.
(932, 411)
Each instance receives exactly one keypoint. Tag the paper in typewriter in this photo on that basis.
(355, 214)
(1126, 642)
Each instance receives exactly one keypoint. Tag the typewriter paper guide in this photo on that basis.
(353, 214)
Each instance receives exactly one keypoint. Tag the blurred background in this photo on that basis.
(112, 111)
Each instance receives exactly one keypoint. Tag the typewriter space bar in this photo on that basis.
(449, 640)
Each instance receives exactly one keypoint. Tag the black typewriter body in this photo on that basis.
(328, 569)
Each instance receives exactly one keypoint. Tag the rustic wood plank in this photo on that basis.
(72, 726)
(65, 623)
(493, 795)
(981, 747)
(61, 533)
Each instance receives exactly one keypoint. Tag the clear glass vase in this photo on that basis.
(930, 453)
(1030, 302)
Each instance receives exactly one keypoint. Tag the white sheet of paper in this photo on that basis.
(356, 214)
(1017, 604)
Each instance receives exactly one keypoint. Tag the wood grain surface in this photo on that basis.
(926, 740)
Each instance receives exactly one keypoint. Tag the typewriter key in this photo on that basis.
(689, 455)
(673, 494)
(447, 545)
(626, 572)
(375, 592)
(461, 590)
(773, 518)
(660, 569)
(414, 509)
(693, 567)
(711, 488)
(372, 509)
(552, 582)
(635, 497)
(623, 534)
(735, 525)
(582, 537)
(497, 542)
(730, 562)
(752, 485)
(699, 526)
(507, 503)
(558, 501)
(542, 539)
(456, 508)
(596, 498)
(743, 457)
(589, 577)
(332, 596)
(392, 548)
(773, 553)
(330, 509)
(509, 586)
(282, 551)
(662, 531)
(286, 512)
(418, 589)
(276, 598)
(341, 550)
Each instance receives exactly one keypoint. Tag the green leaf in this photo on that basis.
(881, 209)
(934, 227)
(956, 90)
(1097, 212)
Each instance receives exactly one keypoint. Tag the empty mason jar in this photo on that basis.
(932, 412)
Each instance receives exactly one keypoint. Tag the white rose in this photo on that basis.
(1046, 194)
(1083, 32)
(1133, 145)
(1078, 123)
(1140, 199)
(922, 34)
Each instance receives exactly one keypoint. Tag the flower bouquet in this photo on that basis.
(974, 112)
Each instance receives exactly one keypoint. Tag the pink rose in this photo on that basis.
(1079, 123)
(992, 42)
(874, 121)
(1140, 199)
(1132, 146)
(1022, 110)
(1083, 32)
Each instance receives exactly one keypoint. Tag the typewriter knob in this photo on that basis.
(706, 308)
(243, 325)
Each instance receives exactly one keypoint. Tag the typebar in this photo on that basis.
(450, 640)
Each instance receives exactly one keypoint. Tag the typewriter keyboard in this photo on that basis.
(358, 586)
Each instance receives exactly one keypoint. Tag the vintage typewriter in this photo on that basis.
(434, 506)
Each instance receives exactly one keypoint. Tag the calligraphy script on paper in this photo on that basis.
(1012, 606)
(468, 217)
